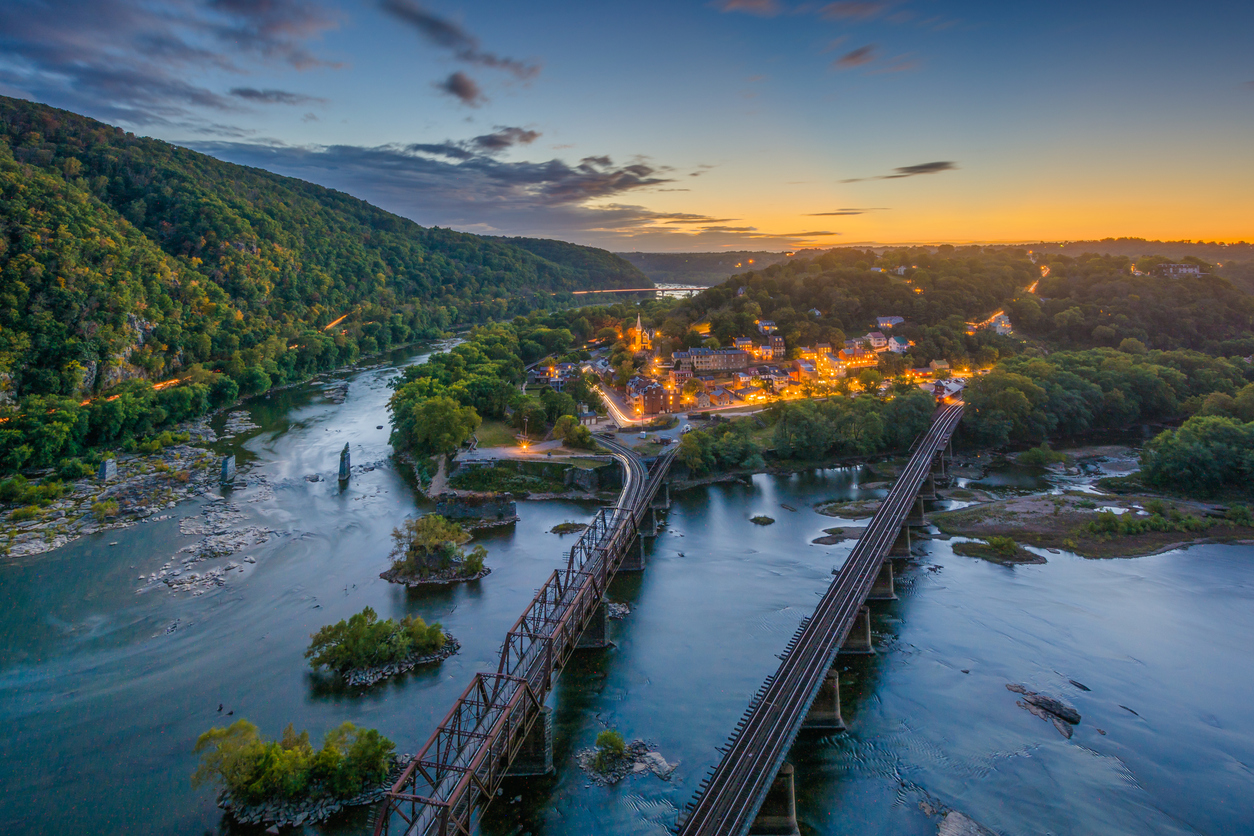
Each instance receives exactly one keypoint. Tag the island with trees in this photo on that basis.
(364, 650)
(428, 552)
(288, 783)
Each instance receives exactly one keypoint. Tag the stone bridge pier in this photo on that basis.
(778, 814)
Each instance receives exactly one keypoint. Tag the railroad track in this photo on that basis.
(732, 794)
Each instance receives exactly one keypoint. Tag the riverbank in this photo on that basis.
(1079, 523)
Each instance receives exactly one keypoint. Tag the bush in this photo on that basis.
(762, 519)
(364, 642)
(255, 770)
(1041, 456)
(1240, 515)
(610, 749)
(1003, 546)
(29, 512)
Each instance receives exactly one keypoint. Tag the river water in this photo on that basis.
(101, 702)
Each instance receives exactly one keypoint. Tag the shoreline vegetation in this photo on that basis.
(1094, 526)
(286, 782)
(363, 650)
(427, 552)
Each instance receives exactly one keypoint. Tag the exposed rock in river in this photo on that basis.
(1047, 708)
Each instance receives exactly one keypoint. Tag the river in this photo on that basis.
(101, 701)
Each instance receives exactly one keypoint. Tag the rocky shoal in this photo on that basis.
(436, 579)
(297, 812)
(637, 759)
(145, 486)
(365, 677)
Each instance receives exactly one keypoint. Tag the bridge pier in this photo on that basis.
(596, 634)
(858, 642)
(915, 516)
(778, 815)
(824, 714)
(901, 546)
(536, 755)
(928, 489)
(634, 560)
(882, 589)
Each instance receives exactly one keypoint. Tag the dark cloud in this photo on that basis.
(270, 96)
(910, 171)
(846, 212)
(463, 87)
(761, 8)
(448, 35)
(855, 58)
(451, 185)
(129, 61)
(503, 138)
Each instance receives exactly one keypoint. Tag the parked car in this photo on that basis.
(687, 429)
(644, 435)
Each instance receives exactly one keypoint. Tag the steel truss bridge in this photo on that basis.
(457, 773)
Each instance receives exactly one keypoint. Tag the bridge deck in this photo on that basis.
(459, 769)
(731, 796)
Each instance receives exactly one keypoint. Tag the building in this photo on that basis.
(857, 357)
(678, 377)
(777, 347)
(766, 326)
(877, 340)
(1175, 270)
(898, 345)
(743, 343)
(938, 365)
(723, 397)
(888, 321)
(803, 370)
(701, 360)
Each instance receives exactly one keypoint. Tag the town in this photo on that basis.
(755, 371)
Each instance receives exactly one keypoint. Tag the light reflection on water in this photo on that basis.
(101, 707)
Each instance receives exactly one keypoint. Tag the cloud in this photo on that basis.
(448, 35)
(761, 8)
(910, 171)
(852, 10)
(855, 58)
(270, 96)
(130, 61)
(451, 185)
(900, 64)
(462, 87)
(846, 212)
(504, 138)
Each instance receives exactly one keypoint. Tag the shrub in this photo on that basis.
(610, 749)
(1003, 546)
(29, 512)
(363, 641)
(1041, 456)
(1240, 515)
(762, 519)
(104, 509)
(256, 770)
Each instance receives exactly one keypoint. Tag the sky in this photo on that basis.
(691, 125)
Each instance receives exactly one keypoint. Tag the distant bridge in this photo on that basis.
(499, 726)
(750, 790)
(691, 291)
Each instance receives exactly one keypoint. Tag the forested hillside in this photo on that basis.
(126, 257)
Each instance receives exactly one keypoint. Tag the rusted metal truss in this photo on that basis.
(459, 769)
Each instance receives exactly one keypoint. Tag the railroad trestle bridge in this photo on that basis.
(500, 726)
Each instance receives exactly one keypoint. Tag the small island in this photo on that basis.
(761, 519)
(286, 782)
(614, 759)
(427, 552)
(364, 650)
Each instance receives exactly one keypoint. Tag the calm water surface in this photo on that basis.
(101, 706)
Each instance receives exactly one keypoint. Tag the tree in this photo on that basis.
(430, 545)
(435, 426)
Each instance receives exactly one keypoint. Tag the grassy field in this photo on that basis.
(496, 434)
